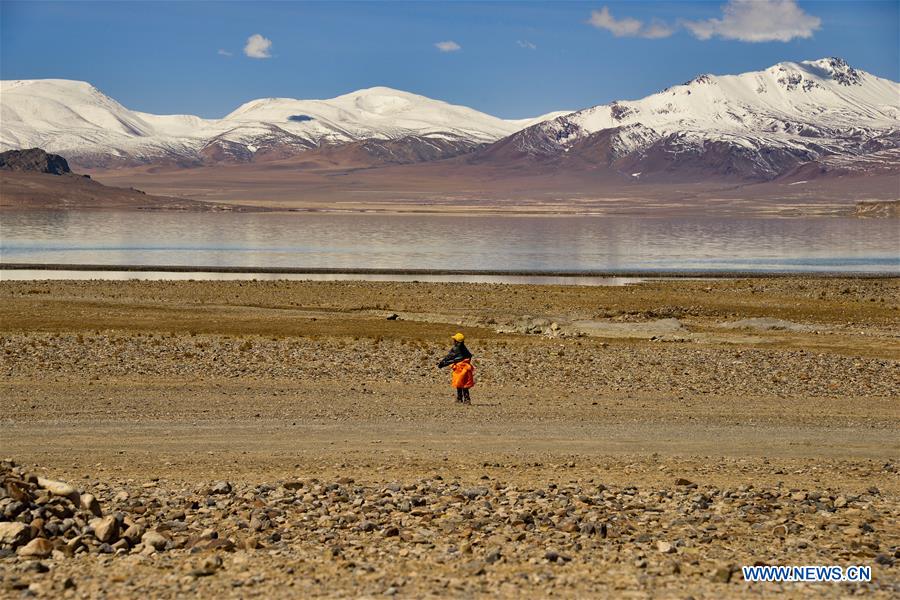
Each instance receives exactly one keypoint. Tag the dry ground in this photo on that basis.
(162, 388)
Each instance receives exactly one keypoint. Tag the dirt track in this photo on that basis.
(112, 386)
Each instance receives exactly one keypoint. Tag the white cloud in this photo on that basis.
(223, 52)
(258, 46)
(448, 46)
(657, 30)
(526, 44)
(628, 27)
(602, 19)
(757, 21)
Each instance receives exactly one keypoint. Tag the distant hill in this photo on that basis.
(33, 179)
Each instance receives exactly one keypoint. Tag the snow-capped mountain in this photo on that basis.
(792, 119)
(74, 119)
(757, 125)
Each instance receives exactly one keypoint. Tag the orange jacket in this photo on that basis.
(463, 374)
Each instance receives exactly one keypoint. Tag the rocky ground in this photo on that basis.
(290, 439)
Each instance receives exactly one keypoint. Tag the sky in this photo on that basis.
(509, 59)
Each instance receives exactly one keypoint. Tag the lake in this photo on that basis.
(483, 242)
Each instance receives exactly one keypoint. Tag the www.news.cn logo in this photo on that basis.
(810, 573)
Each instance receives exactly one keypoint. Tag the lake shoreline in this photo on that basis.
(606, 273)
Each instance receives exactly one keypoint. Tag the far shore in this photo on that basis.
(612, 273)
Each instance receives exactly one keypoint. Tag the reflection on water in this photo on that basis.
(533, 243)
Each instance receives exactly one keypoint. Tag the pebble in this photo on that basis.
(106, 529)
(220, 488)
(721, 575)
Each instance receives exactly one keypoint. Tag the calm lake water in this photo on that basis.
(533, 243)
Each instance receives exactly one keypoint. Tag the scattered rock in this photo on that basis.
(220, 488)
(106, 529)
(367, 526)
(474, 568)
(155, 540)
(36, 548)
(209, 566)
(90, 504)
(58, 488)
(721, 575)
(134, 534)
(13, 535)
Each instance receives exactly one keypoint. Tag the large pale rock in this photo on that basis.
(13, 535)
(106, 529)
(89, 503)
(134, 534)
(155, 540)
(36, 548)
(59, 488)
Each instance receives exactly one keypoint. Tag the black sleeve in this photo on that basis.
(447, 360)
(457, 353)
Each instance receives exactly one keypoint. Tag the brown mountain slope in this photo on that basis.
(35, 180)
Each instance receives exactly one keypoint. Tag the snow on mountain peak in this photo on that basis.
(76, 119)
(837, 69)
(809, 107)
(796, 111)
(826, 92)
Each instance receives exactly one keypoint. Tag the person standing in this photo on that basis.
(460, 359)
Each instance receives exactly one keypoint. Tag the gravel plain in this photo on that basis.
(288, 439)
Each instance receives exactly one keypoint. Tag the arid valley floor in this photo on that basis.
(285, 439)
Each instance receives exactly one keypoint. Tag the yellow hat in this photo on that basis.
(458, 337)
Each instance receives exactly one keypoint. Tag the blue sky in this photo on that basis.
(511, 59)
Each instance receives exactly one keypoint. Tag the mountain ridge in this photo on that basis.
(759, 125)
(791, 121)
(91, 129)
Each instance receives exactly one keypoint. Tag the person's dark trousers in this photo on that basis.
(462, 395)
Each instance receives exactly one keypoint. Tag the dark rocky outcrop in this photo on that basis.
(34, 160)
